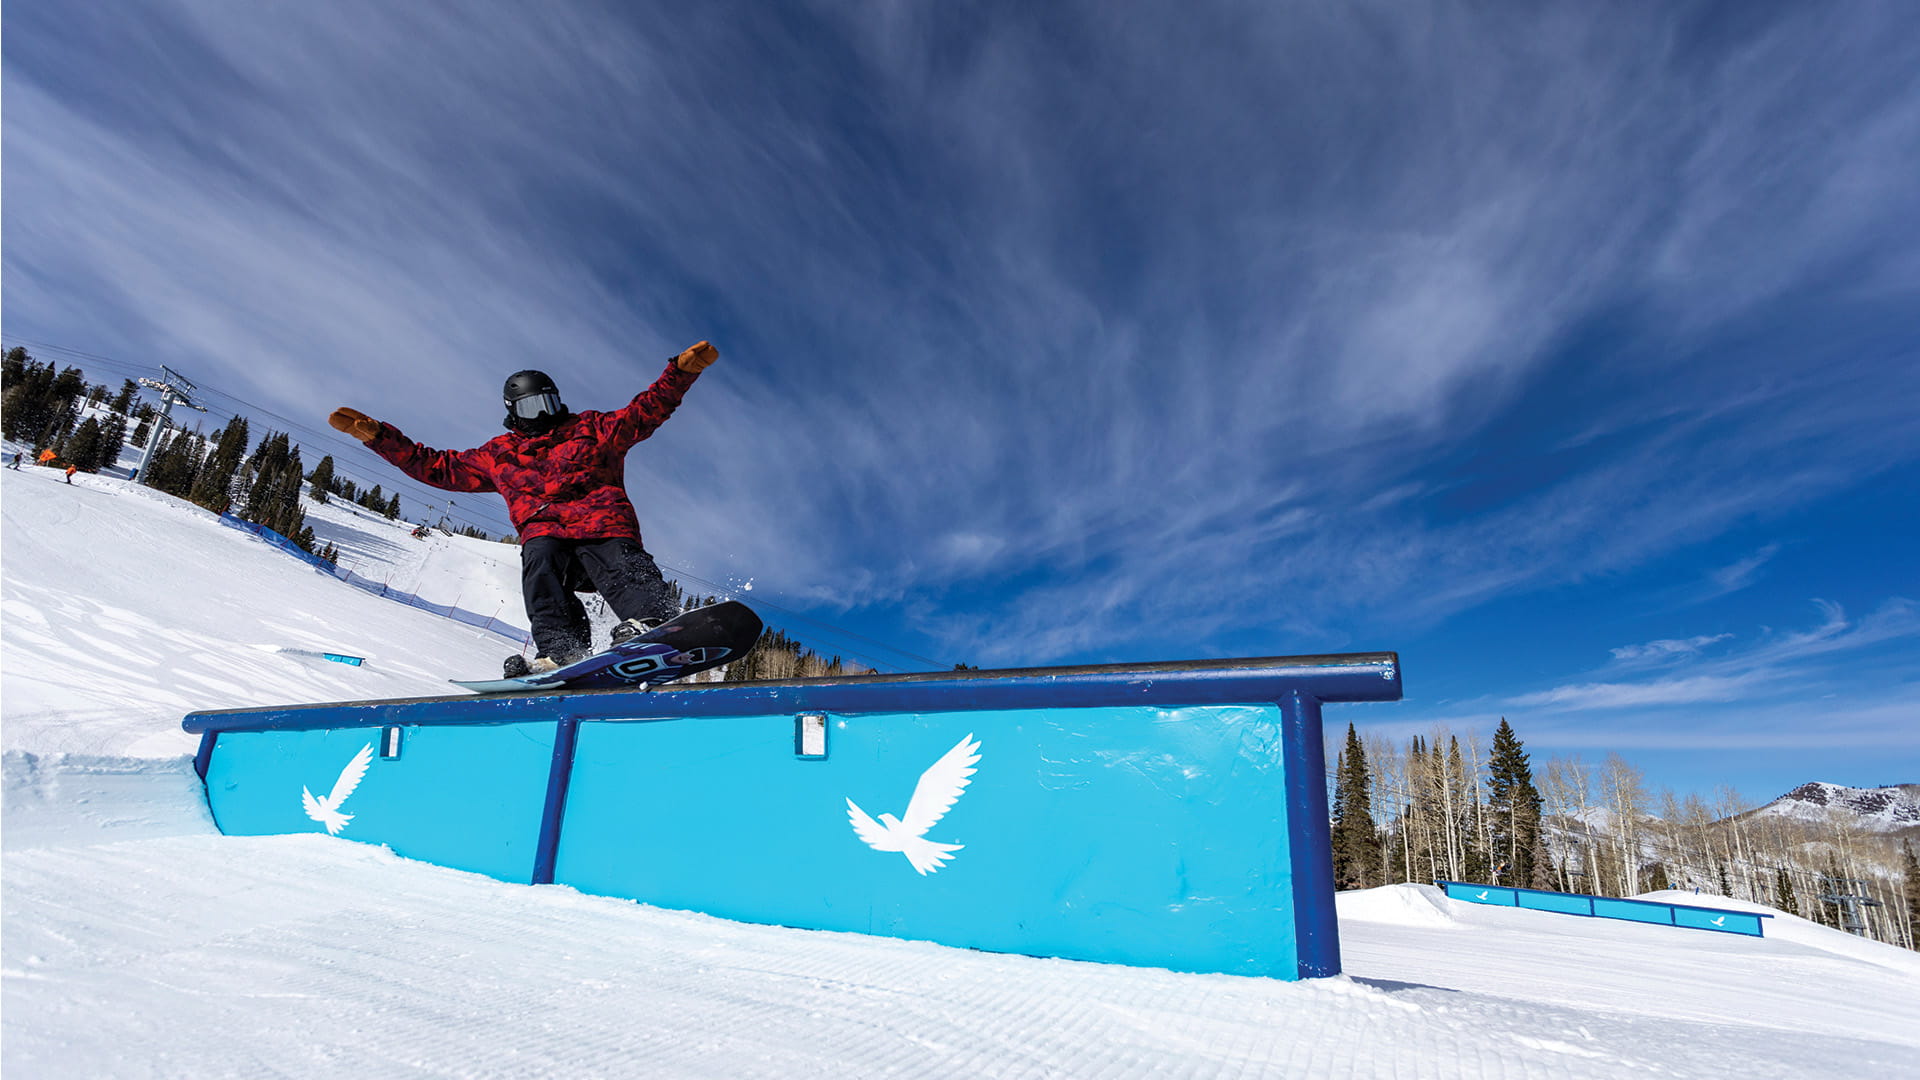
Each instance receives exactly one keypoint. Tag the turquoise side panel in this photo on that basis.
(1482, 894)
(1124, 834)
(467, 797)
(1731, 922)
(1608, 908)
(1603, 907)
(1564, 903)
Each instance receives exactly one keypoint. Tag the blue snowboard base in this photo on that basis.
(685, 645)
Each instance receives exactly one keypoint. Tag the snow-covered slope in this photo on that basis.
(1802, 977)
(139, 942)
(125, 609)
(480, 576)
(1881, 809)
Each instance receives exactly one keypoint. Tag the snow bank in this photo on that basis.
(1398, 905)
(67, 800)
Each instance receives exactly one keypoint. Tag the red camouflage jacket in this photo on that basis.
(569, 482)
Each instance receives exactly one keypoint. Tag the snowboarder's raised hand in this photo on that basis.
(697, 359)
(355, 423)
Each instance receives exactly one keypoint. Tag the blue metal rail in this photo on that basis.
(1168, 814)
(1685, 916)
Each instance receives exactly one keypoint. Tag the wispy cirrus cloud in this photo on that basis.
(1670, 649)
(1839, 686)
(1794, 659)
(1676, 690)
(1740, 574)
(1080, 334)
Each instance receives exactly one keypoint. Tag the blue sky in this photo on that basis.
(1569, 350)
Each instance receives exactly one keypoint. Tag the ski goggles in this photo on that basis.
(535, 406)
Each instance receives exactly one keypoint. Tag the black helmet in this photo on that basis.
(533, 402)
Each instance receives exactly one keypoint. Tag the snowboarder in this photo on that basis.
(563, 475)
(17, 456)
(71, 469)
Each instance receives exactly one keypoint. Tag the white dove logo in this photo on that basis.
(327, 811)
(1482, 896)
(1721, 921)
(933, 796)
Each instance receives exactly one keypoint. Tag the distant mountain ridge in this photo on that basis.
(1892, 808)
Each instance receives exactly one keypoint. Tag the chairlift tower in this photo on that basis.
(1849, 901)
(175, 389)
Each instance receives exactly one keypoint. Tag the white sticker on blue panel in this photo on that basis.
(327, 811)
(939, 787)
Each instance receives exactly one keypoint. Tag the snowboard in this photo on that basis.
(691, 642)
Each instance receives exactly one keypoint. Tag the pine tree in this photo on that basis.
(113, 439)
(14, 407)
(268, 462)
(1784, 896)
(213, 488)
(288, 519)
(85, 448)
(393, 507)
(63, 415)
(123, 401)
(1356, 840)
(14, 367)
(61, 407)
(1514, 803)
(175, 464)
(70, 384)
(159, 462)
(192, 454)
(30, 405)
(322, 479)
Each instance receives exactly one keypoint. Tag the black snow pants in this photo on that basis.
(553, 569)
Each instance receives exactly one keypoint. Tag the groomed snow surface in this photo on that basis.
(138, 942)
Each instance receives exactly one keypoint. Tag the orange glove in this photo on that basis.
(697, 359)
(355, 423)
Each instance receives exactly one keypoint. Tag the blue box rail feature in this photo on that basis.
(1168, 815)
(338, 658)
(1685, 916)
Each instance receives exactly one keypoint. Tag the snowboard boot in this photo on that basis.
(632, 628)
(517, 666)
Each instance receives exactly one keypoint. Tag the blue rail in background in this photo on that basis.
(1685, 916)
(1169, 815)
